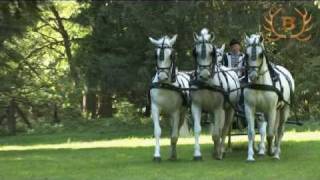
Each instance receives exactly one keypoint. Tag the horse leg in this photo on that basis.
(262, 131)
(227, 129)
(229, 148)
(284, 114)
(196, 114)
(276, 132)
(250, 115)
(174, 134)
(157, 131)
(271, 128)
(219, 119)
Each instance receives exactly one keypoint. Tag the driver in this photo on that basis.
(234, 58)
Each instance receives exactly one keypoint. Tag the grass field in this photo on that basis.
(90, 155)
(131, 158)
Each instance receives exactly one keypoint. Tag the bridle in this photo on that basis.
(172, 65)
(203, 56)
(254, 58)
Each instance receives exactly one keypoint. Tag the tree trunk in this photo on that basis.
(56, 119)
(91, 104)
(105, 109)
(11, 117)
(23, 116)
(84, 103)
(67, 45)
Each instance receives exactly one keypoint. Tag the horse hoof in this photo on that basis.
(197, 158)
(276, 157)
(251, 160)
(270, 154)
(219, 158)
(261, 153)
(157, 159)
(229, 150)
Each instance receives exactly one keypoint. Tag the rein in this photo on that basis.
(258, 69)
(159, 85)
(203, 86)
(263, 87)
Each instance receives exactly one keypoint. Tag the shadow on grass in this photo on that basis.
(311, 125)
(67, 137)
(98, 132)
(90, 134)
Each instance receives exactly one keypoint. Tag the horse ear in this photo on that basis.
(261, 38)
(223, 47)
(246, 39)
(212, 37)
(173, 39)
(195, 36)
(153, 41)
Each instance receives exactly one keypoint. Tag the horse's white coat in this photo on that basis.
(211, 101)
(167, 102)
(276, 113)
(219, 52)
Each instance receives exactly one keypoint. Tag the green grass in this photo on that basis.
(108, 153)
(300, 160)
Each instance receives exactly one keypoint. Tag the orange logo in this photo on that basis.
(288, 26)
(288, 23)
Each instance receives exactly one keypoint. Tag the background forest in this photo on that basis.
(69, 62)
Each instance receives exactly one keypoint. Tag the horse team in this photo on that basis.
(216, 89)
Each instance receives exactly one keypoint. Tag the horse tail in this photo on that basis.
(185, 124)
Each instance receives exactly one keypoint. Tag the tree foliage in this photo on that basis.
(87, 57)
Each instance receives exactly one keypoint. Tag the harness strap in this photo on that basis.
(229, 91)
(164, 86)
(268, 67)
(202, 85)
(263, 87)
(225, 76)
(220, 81)
(289, 82)
(157, 85)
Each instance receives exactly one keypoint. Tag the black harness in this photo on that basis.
(161, 58)
(253, 58)
(263, 87)
(200, 85)
(158, 85)
(203, 55)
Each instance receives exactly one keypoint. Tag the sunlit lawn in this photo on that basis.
(131, 158)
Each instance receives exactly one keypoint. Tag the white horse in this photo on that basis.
(165, 93)
(262, 124)
(219, 53)
(262, 95)
(216, 93)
